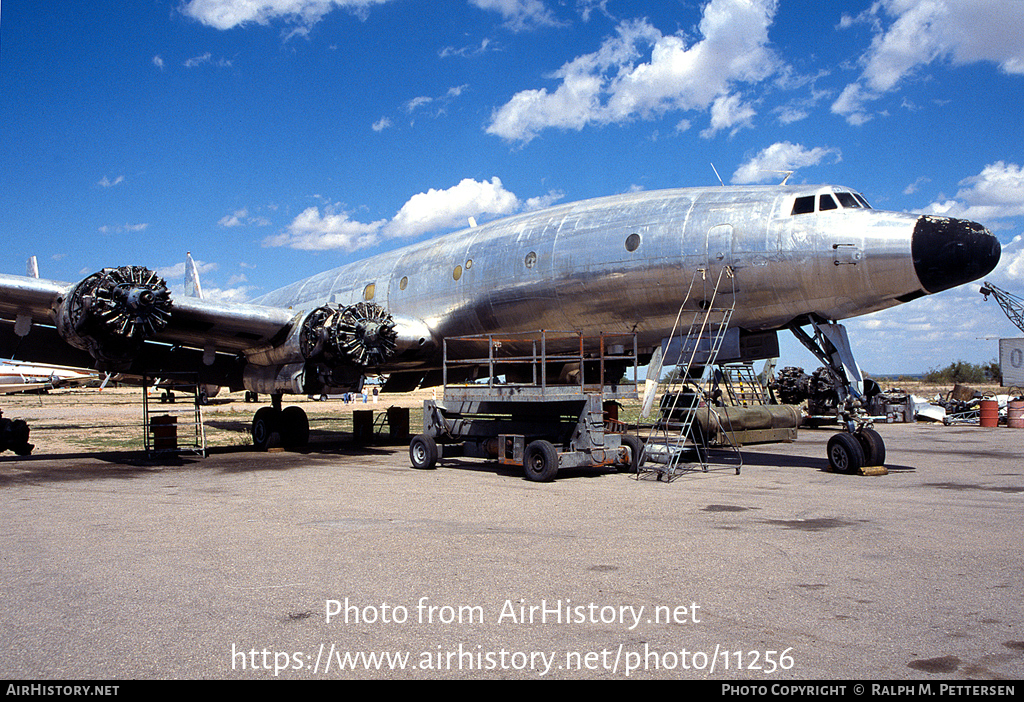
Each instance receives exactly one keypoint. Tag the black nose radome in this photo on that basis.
(950, 252)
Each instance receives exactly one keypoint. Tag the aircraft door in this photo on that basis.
(718, 255)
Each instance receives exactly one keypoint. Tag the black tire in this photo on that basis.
(266, 429)
(540, 461)
(845, 454)
(294, 427)
(873, 446)
(423, 452)
(636, 447)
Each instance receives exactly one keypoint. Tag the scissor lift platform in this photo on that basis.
(539, 425)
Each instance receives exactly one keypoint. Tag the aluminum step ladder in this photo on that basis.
(742, 385)
(679, 441)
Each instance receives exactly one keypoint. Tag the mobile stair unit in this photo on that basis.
(548, 402)
(682, 438)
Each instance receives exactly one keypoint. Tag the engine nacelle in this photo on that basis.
(361, 335)
(110, 313)
(330, 348)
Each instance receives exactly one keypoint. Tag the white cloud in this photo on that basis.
(609, 86)
(911, 34)
(544, 201)
(233, 220)
(241, 217)
(519, 14)
(434, 210)
(312, 231)
(916, 185)
(381, 124)
(444, 209)
(466, 51)
(729, 111)
(770, 163)
(108, 183)
(227, 14)
(158, 62)
(994, 194)
(206, 58)
(126, 228)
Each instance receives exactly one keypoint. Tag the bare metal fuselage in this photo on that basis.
(626, 263)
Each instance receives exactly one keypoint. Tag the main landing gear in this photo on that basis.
(859, 447)
(273, 427)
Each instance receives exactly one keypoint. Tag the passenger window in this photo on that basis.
(803, 205)
(826, 202)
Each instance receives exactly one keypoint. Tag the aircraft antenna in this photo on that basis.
(716, 174)
(788, 174)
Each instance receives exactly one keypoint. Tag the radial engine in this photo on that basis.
(110, 313)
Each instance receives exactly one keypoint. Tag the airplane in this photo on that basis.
(16, 376)
(795, 255)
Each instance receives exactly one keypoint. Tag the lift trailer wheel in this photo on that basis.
(423, 452)
(636, 447)
(540, 461)
(845, 454)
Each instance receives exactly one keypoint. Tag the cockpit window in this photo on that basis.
(803, 205)
(847, 200)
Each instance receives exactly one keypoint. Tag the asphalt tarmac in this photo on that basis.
(347, 563)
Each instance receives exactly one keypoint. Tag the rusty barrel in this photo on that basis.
(1015, 414)
(989, 413)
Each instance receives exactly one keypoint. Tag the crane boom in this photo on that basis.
(1012, 305)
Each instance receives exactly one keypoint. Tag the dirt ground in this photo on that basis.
(82, 420)
(85, 420)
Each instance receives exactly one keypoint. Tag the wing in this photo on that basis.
(123, 319)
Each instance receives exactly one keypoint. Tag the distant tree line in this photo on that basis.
(964, 372)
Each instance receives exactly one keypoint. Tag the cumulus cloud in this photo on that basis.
(780, 157)
(912, 34)
(729, 111)
(227, 14)
(445, 209)
(997, 193)
(434, 210)
(612, 85)
(313, 231)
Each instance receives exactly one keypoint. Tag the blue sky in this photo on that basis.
(277, 138)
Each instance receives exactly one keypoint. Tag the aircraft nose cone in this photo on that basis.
(950, 252)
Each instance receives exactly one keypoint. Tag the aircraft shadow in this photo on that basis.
(783, 460)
